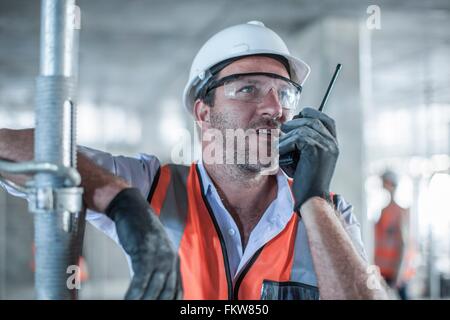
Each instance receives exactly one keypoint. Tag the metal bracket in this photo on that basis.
(66, 201)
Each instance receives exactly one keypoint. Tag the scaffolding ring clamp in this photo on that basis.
(56, 199)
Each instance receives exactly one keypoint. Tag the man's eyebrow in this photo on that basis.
(253, 80)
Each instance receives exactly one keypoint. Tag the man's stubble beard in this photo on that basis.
(220, 122)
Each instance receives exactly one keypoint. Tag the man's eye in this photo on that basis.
(283, 95)
(286, 94)
(247, 89)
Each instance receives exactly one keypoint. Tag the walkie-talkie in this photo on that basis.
(289, 160)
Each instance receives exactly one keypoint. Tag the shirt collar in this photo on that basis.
(284, 200)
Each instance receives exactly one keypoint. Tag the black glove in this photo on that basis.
(313, 134)
(154, 261)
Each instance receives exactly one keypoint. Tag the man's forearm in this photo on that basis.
(17, 146)
(100, 186)
(341, 271)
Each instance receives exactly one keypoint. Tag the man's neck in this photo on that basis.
(245, 194)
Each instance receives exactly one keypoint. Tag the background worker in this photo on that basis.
(393, 248)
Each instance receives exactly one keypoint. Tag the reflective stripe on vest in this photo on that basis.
(274, 272)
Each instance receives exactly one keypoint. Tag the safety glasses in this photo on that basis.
(253, 88)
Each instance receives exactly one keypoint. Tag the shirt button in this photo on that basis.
(231, 232)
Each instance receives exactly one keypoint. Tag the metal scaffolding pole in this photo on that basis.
(59, 223)
(53, 194)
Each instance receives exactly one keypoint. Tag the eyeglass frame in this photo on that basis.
(220, 82)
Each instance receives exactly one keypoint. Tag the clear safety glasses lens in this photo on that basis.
(254, 87)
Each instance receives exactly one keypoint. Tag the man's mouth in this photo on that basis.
(265, 131)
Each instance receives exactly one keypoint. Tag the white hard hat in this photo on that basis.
(246, 39)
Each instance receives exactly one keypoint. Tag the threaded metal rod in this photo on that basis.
(56, 249)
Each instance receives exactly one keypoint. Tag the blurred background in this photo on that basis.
(391, 104)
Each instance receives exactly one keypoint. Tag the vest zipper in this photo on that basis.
(219, 233)
(232, 292)
(244, 272)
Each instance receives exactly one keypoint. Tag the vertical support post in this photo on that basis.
(58, 232)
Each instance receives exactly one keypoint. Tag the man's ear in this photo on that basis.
(201, 111)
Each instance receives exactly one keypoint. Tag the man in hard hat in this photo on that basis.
(233, 231)
(393, 247)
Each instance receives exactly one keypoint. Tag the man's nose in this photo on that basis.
(270, 105)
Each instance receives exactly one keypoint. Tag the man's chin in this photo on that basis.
(247, 167)
(265, 169)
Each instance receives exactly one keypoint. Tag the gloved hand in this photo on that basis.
(154, 261)
(313, 133)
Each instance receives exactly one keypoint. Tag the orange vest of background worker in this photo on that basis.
(393, 248)
(272, 273)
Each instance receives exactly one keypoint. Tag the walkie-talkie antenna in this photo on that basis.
(330, 86)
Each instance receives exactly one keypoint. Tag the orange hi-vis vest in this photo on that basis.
(275, 270)
(388, 243)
